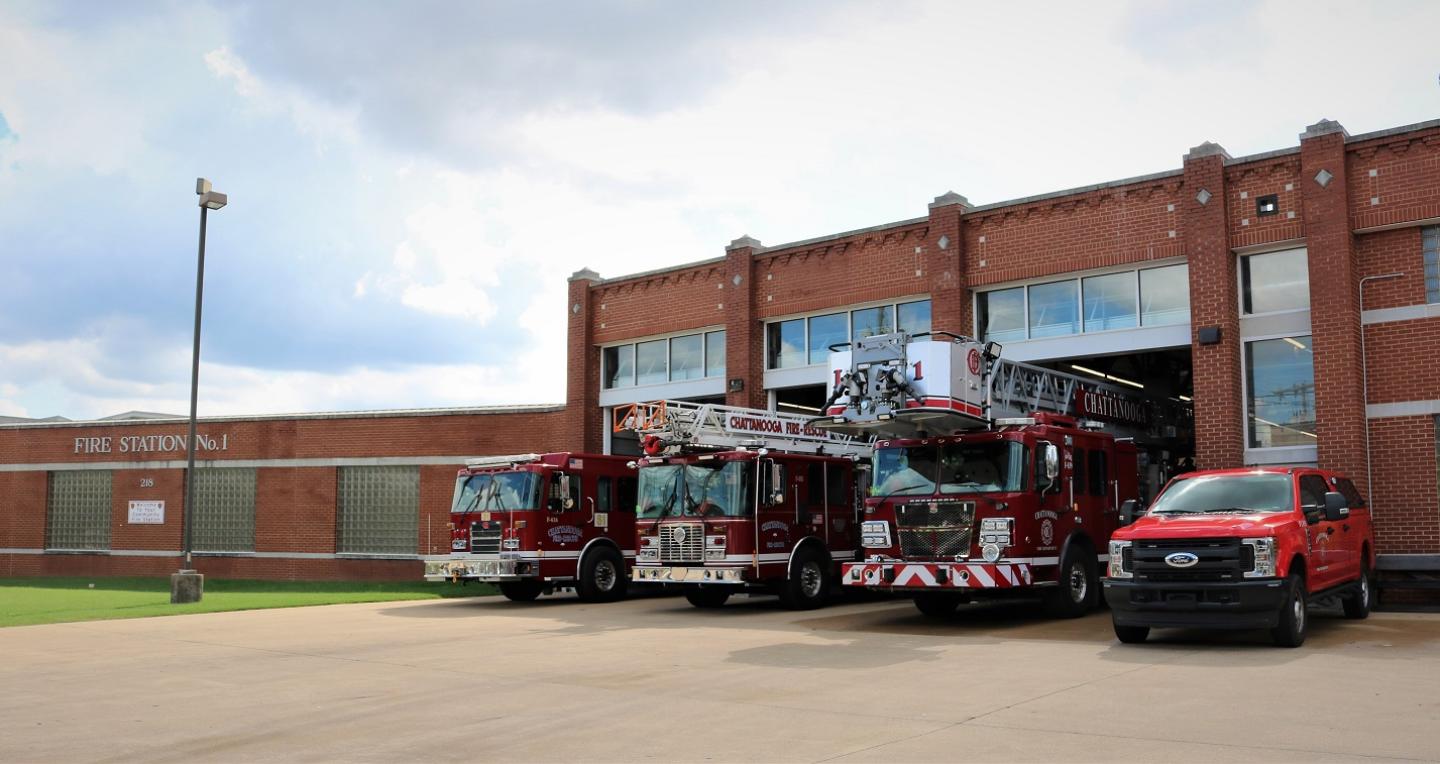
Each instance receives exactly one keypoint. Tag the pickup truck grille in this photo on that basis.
(935, 531)
(483, 541)
(1221, 559)
(682, 542)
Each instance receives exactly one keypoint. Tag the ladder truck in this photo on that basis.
(537, 523)
(743, 500)
(990, 476)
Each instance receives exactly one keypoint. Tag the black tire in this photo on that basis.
(602, 576)
(520, 591)
(937, 604)
(1079, 584)
(707, 598)
(1131, 635)
(1357, 604)
(1293, 617)
(808, 585)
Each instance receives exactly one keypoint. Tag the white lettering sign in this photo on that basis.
(141, 444)
(147, 513)
(750, 423)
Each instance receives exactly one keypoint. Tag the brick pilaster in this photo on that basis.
(582, 367)
(945, 265)
(744, 339)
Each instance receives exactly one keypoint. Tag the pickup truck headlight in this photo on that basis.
(1263, 552)
(875, 534)
(1118, 553)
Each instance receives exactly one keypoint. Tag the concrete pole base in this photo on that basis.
(186, 586)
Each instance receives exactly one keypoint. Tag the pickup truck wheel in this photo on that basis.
(520, 591)
(1075, 594)
(602, 576)
(936, 604)
(707, 598)
(1291, 630)
(1131, 635)
(1357, 604)
(809, 583)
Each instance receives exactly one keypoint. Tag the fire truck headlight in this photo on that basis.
(1119, 556)
(991, 552)
(875, 534)
(997, 531)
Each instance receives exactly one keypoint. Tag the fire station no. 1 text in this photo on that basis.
(139, 444)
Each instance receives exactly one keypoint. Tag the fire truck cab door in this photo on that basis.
(775, 511)
(566, 513)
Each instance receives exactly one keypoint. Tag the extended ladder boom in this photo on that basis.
(668, 426)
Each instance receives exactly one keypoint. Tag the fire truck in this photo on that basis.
(970, 497)
(537, 523)
(741, 500)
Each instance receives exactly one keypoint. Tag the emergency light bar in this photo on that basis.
(500, 461)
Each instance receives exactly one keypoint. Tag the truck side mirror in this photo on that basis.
(1129, 510)
(1337, 507)
(777, 483)
(1047, 466)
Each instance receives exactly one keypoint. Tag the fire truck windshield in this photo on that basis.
(496, 491)
(1260, 492)
(710, 489)
(949, 469)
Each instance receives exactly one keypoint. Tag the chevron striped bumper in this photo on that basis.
(936, 575)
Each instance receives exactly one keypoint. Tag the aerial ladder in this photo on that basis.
(669, 427)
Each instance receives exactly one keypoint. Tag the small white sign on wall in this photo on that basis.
(147, 513)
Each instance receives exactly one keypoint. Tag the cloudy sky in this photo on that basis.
(411, 183)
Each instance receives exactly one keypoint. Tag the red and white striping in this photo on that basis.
(916, 575)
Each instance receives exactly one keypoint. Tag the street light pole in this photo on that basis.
(187, 585)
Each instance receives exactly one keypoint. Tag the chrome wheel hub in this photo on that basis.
(605, 575)
(1079, 587)
(810, 580)
(1299, 608)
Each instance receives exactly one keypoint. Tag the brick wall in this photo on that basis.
(1245, 182)
(1385, 252)
(1406, 499)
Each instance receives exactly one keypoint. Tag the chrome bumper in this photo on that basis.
(447, 569)
(679, 574)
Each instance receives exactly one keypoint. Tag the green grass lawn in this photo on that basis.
(27, 601)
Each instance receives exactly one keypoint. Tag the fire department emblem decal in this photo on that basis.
(1047, 532)
(564, 534)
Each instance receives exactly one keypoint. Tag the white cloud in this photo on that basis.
(311, 117)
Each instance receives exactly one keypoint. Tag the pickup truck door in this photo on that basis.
(1323, 571)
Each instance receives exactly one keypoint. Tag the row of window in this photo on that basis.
(693, 356)
(807, 341)
(1125, 300)
(377, 510)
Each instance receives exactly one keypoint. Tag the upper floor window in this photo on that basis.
(1274, 282)
(676, 359)
(1086, 304)
(1431, 237)
(806, 341)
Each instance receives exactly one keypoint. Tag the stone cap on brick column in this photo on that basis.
(1207, 149)
(745, 241)
(948, 198)
(1324, 127)
(585, 274)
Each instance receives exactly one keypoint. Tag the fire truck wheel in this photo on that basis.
(520, 591)
(809, 583)
(602, 576)
(1078, 585)
(1291, 630)
(1357, 605)
(1131, 635)
(707, 598)
(936, 604)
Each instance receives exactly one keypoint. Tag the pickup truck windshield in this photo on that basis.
(1263, 492)
(711, 489)
(496, 491)
(954, 467)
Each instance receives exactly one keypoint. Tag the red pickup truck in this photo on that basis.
(1241, 549)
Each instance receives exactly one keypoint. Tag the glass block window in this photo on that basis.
(224, 510)
(1431, 237)
(78, 510)
(379, 510)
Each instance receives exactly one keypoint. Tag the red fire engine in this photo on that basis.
(535, 523)
(739, 500)
(963, 503)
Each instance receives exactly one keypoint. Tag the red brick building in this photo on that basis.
(1293, 295)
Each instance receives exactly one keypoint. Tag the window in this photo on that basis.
(824, 332)
(1431, 238)
(1002, 314)
(815, 485)
(1052, 309)
(1109, 301)
(618, 366)
(786, 341)
(650, 362)
(1352, 494)
(869, 322)
(715, 354)
(1165, 295)
(602, 494)
(1312, 491)
(224, 509)
(379, 510)
(1280, 383)
(1099, 476)
(687, 357)
(835, 485)
(1077, 472)
(1267, 205)
(913, 317)
(78, 510)
(626, 493)
(1274, 282)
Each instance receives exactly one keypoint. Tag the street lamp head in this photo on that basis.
(213, 200)
(202, 187)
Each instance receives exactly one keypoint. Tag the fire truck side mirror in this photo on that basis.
(1129, 510)
(772, 483)
(565, 499)
(1047, 466)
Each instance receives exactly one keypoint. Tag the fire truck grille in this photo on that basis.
(935, 530)
(1219, 560)
(484, 541)
(682, 542)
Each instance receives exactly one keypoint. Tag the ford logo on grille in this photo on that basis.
(1181, 559)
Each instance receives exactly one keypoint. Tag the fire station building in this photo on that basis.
(1292, 298)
